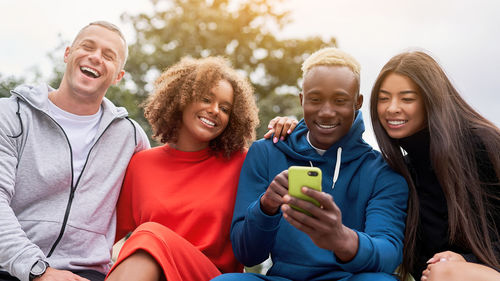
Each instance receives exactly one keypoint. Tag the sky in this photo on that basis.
(462, 35)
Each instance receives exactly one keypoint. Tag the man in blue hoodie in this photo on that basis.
(357, 231)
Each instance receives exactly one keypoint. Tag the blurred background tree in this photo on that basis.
(244, 31)
(8, 83)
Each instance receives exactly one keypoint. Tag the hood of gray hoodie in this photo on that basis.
(37, 97)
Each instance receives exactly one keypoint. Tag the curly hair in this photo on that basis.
(187, 81)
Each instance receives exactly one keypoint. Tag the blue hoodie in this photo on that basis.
(370, 195)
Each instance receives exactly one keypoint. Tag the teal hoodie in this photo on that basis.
(370, 195)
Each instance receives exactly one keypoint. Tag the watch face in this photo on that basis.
(39, 268)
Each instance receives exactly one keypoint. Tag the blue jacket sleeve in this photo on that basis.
(381, 243)
(253, 232)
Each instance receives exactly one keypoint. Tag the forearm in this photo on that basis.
(346, 249)
(18, 252)
(253, 235)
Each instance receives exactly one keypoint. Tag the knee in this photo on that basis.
(156, 230)
(152, 233)
(150, 226)
(373, 276)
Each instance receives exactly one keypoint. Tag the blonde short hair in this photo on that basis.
(331, 57)
(108, 26)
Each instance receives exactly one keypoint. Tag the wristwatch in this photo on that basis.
(38, 269)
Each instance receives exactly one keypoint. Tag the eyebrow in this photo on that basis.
(402, 92)
(227, 103)
(105, 48)
(211, 94)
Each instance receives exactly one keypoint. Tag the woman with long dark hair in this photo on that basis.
(451, 159)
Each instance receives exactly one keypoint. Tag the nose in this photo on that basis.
(394, 106)
(327, 110)
(213, 108)
(96, 57)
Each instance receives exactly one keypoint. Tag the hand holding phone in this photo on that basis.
(299, 176)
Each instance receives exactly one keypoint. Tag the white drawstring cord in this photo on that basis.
(337, 166)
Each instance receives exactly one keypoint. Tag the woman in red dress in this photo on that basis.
(178, 198)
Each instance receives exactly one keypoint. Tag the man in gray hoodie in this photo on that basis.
(63, 155)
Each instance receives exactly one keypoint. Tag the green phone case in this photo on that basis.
(299, 176)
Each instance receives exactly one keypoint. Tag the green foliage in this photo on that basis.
(243, 31)
(7, 84)
(56, 57)
(121, 96)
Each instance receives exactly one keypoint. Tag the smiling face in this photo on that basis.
(400, 106)
(93, 63)
(205, 118)
(330, 99)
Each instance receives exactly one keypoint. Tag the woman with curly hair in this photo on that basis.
(179, 198)
(452, 167)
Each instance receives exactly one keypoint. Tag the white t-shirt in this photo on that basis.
(81, 131)
(318, 150)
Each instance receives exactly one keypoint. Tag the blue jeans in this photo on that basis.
(364, 276)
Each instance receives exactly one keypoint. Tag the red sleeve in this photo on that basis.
(125, 220)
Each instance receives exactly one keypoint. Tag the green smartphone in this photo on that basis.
(299, 176)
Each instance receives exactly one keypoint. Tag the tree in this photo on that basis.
(7, 84)
(243, 31)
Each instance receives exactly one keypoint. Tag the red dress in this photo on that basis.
(180, 205)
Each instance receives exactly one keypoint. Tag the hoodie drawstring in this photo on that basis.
(18, 113)
(337, 166)
(135, 130)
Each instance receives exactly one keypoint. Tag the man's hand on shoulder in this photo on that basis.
(52, 274)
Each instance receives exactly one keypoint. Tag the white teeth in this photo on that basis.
(88, 69)
(206, 121)
(326, 126)
(396, 122)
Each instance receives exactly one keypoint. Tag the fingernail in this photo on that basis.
(430, 260)
(289, 131)
(282, 138)
(275, 140)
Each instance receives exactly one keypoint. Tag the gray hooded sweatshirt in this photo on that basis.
(42, 214)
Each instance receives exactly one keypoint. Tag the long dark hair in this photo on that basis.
(455, 129)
